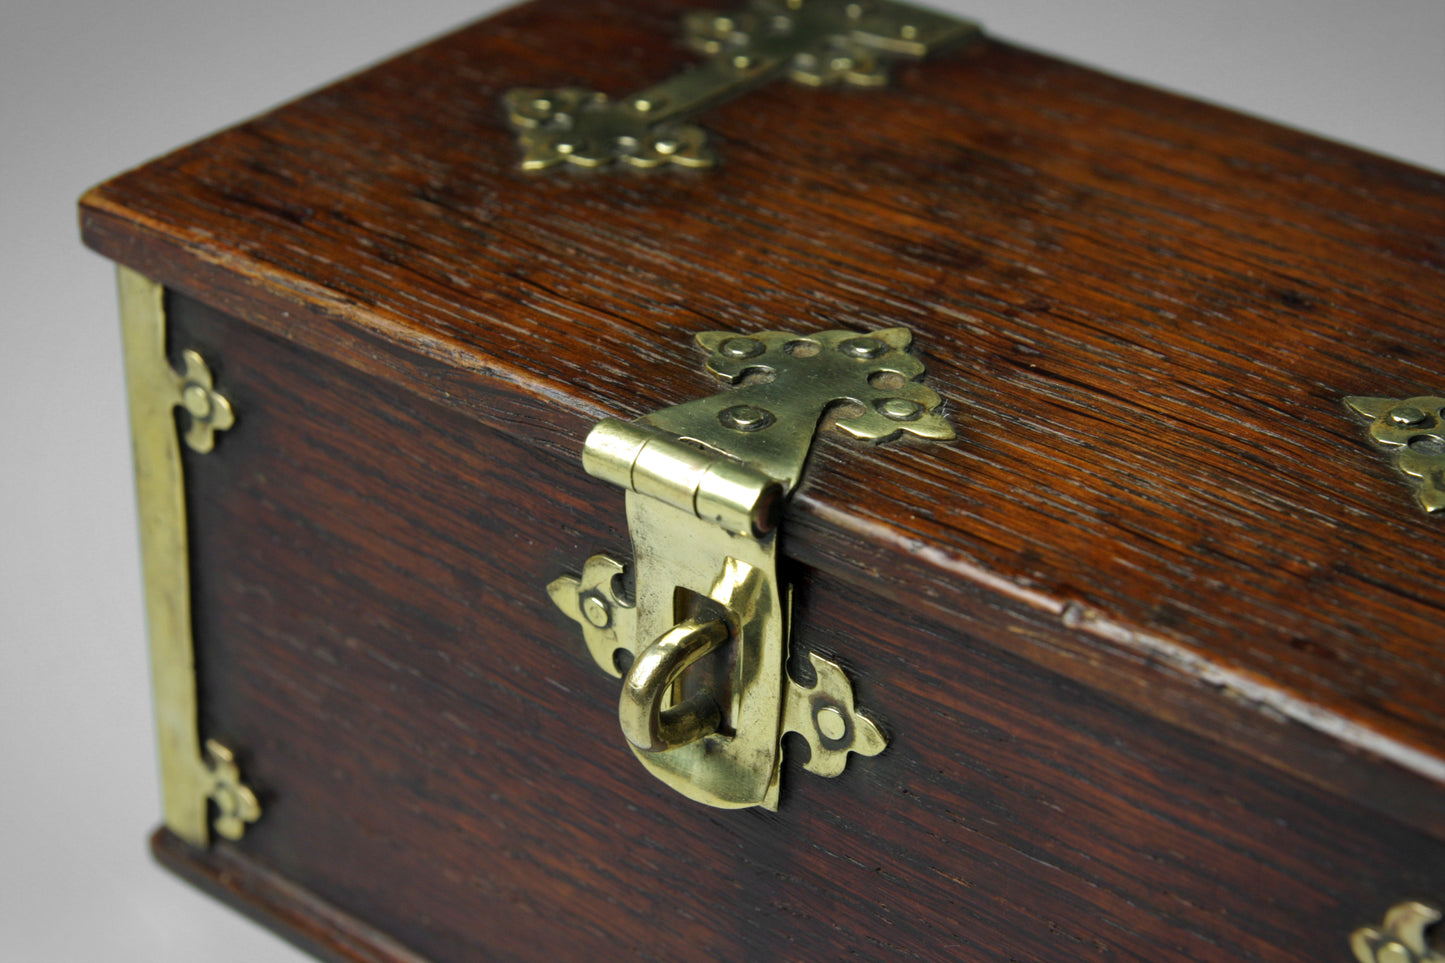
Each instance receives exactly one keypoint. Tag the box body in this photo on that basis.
(1156, 641)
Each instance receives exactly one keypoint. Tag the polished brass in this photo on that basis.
(700, 630)
(825, 717)
(1401, 939)
(235, 802)
(190, 779)
(815, 42)
(1414, 430)
(654, 673)
(207, 409)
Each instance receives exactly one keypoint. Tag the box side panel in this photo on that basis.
(438, 756)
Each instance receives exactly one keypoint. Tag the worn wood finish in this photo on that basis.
(1144, 311)
(439, 756)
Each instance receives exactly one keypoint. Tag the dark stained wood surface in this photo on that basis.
(438, 756)
(1144, 312)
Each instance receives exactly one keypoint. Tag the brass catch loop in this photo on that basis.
(645, 723)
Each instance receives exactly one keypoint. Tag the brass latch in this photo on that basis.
(702, 644)
(815, 42)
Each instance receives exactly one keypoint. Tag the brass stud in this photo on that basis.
(596, 611)
(831, 724)
(1407, 415)
(746, 418)
(196, 400)
(863, 347)
(742, 348)
(900, 409)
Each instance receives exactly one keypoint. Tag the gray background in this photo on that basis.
(90, 88)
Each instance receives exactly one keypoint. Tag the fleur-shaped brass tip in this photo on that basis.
(825, 716)
(1414, 430)
(1402, 937)
(236, 804)
(608, 620)
(873, 371)
(207, 408)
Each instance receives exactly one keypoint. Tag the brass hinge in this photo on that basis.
(701, 641)
(815, 42)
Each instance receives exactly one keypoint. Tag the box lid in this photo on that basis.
(1145, 314)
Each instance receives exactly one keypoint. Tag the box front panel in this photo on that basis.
(438, 756)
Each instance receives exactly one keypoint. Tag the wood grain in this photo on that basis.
(438, 755)
(1143, 310)
(1159, 637)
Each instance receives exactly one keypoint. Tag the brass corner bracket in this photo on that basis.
(701, 642)
(815, 42)
(1414, 430)
(193, 780)
(1401, 938)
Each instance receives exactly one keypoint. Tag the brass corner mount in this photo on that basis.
(201, 785)
(1413, 430)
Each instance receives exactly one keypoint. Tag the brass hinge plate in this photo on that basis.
(815, 42)
(703, 642)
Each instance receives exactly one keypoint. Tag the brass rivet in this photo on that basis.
(742, 61)
(745, 418)
(900, 409)
(831, 723)
(1407, 415)
(841, 63)
(742, 348)
(596, 611)
(642, 105)
(565, 147)
(196, 400)
(855, 10)
(666, 146)
(908, 31)
(542, 105)
(863, 347)
(1393, 952)
(723, 25)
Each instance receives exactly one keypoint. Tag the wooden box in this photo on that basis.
(1156, 643)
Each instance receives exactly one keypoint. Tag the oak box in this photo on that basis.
(495, 614)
